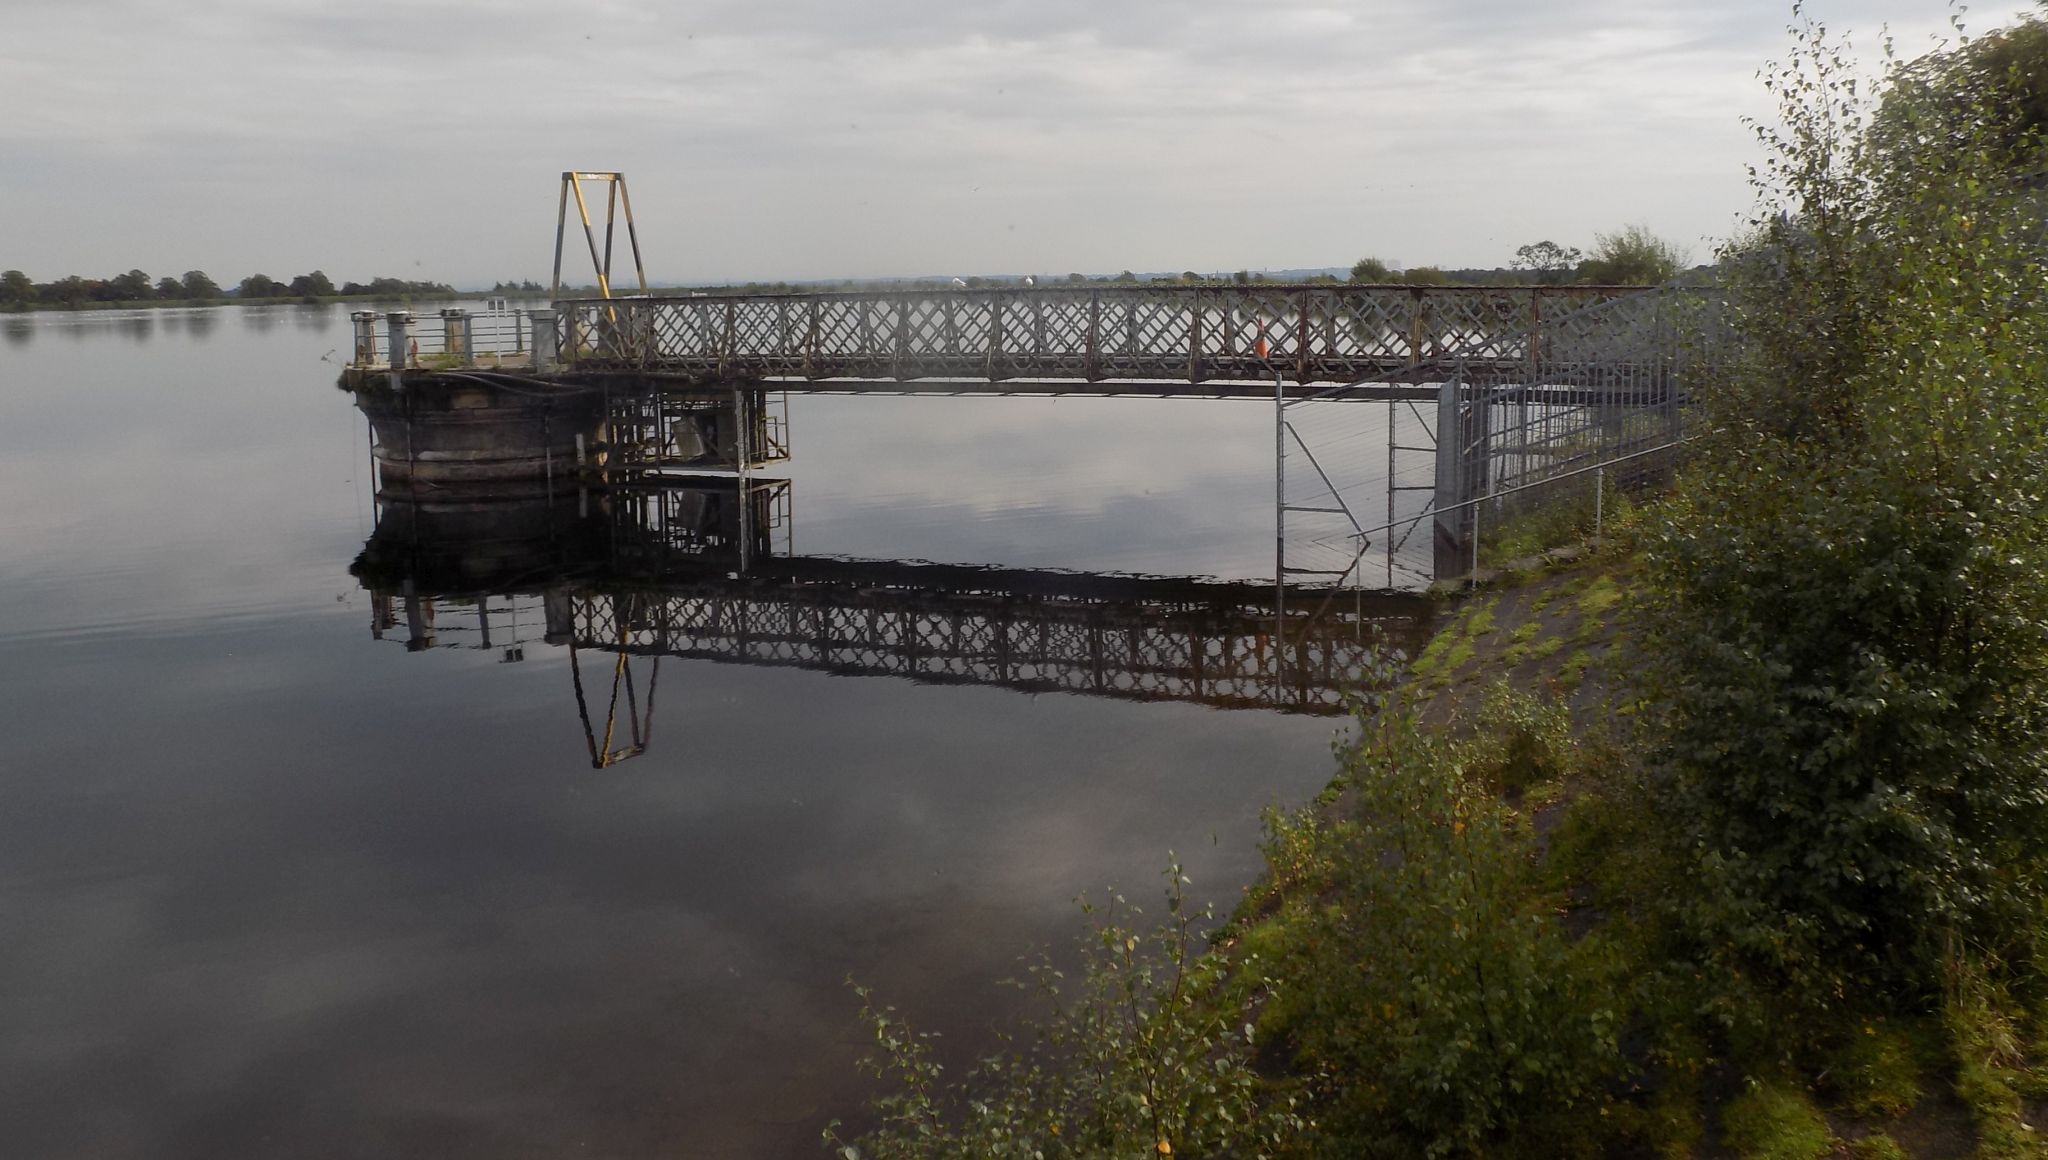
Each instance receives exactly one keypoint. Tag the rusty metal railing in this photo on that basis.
(452, 338)
(1313, 333)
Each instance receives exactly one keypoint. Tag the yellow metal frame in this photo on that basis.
(616, 198)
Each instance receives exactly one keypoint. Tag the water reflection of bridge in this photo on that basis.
(685, 569)
(1139, 638)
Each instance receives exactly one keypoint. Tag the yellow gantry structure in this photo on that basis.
(616, 200)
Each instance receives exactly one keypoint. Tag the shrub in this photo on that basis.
(1144, 1059)
(1855, 620)
(1436, 995)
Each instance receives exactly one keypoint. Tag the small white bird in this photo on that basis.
(959, 283)
(1030, 281)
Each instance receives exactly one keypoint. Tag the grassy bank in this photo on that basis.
(1729, 839)
(1483, 939)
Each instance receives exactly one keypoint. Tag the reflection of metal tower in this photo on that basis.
(450, 574)
(627, 610)
(615, 200)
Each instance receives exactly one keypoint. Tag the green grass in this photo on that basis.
(1480, 622)
(1877, 1072)
(1774, 1122)
(1600, 597)
(1573, 671)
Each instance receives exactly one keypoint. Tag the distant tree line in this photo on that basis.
(20, 292)
(1632, 256)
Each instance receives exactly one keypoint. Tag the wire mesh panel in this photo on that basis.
(1544, 403)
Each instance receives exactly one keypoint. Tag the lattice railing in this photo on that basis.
(1220, 658)
(1322, 333)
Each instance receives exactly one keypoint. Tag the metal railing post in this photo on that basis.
(1279, 534)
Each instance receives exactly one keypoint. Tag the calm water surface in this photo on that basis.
(271, 887)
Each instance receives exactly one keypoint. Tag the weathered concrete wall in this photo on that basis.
(457, 432)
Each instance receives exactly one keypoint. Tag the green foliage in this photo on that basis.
(1454, 646)
(1549, 263)
(1855, 623)
(258, 286)
(1832, 869)
(1528, 742)
(1434, 994)
(395, 288)
(134, 286)
(1573, 672)
(1599, 598)
(1775, 1122)
(1984, 1037)
(1559, 520)
(1141, 1061)
(1371, 271)
(1993, 92)
(1631, 257)
(1877, 1072)
(1519, 643)
(313, 285)
(1479, 618)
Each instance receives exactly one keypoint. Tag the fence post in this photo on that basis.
(1452, 478)
(1093, 359)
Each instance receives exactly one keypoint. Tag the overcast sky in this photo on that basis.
(826, 138)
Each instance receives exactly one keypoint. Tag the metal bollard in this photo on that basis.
(365, 339)
(398, 330)
(455, 335)
(544, 345)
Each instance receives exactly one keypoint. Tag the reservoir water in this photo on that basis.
(271, 886)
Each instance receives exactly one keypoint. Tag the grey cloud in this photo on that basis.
(814, 138)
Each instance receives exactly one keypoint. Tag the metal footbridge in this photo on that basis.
(1507, 397)
(1195, 341)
